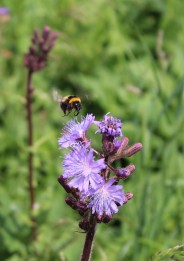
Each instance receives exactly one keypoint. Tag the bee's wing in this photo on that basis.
(56, 96)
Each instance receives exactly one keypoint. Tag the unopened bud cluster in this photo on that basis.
(42, 43)
(88, 175)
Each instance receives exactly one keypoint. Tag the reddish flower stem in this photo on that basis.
(29, 91)
(88, 245)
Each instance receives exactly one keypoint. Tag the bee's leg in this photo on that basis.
(69, 111)
(76, 113)
(65, 112)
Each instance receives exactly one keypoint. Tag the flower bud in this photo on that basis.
(124, 173)
(131, 168)
(45, 48)
(128, 196)
(35, 36)
(64, 183)
(119, 150)
(106, 219)
(71, 202)
(46, 32)
(82, 208)
(99, 219)
(132, 149)
(43, 42)
(81, 205)
(124, 143)
(54, 36)
(84, 225)
(32, 50)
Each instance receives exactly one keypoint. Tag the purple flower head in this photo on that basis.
(4, 11)
(106, 198)
(75, 131)
(110, 126)
(81, 167)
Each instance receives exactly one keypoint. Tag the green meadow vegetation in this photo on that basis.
(125, 57)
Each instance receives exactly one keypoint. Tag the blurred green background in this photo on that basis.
(125, 57)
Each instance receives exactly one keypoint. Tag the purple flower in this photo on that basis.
(110, 126)
(106, 198)
(81, 167)
(75, 131)
(4, 11)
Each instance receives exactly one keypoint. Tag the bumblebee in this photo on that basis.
(68, 103)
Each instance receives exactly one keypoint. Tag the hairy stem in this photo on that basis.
(29, 91)
(88, 245)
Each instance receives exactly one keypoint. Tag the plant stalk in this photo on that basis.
(29, 91)
(88, 245)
